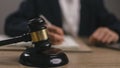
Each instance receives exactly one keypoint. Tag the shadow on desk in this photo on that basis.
(115, 46)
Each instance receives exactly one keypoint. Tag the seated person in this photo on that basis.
(76, 17)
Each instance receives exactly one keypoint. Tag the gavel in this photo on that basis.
(41, 54)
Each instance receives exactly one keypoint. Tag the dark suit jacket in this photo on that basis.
(93, 15)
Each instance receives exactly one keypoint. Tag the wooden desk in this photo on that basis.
(99, 58)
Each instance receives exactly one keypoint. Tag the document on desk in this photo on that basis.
(70, 44)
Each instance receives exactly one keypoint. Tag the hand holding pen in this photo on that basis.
(56, 34)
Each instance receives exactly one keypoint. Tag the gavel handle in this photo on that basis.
(25, 38)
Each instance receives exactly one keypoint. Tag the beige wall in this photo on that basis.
(8, 6)
(113, 6)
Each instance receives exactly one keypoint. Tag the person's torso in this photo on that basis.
(52, 11)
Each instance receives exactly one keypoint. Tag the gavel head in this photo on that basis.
(38, 34)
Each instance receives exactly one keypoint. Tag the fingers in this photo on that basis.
(104, 35)
(55, 34)
(56, 30)
(55, 38)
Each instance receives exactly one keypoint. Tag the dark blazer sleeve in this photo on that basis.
(106, 18)
(16, 23)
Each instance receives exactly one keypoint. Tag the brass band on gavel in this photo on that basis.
(39, 35)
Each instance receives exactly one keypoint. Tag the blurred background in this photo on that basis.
(9, 6)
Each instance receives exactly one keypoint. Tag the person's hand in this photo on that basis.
(104, 35)
(55, 34)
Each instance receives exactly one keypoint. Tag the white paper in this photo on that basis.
(68, 44)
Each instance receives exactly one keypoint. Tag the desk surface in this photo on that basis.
(99, 58)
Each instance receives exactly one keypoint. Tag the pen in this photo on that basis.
(46, 20)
